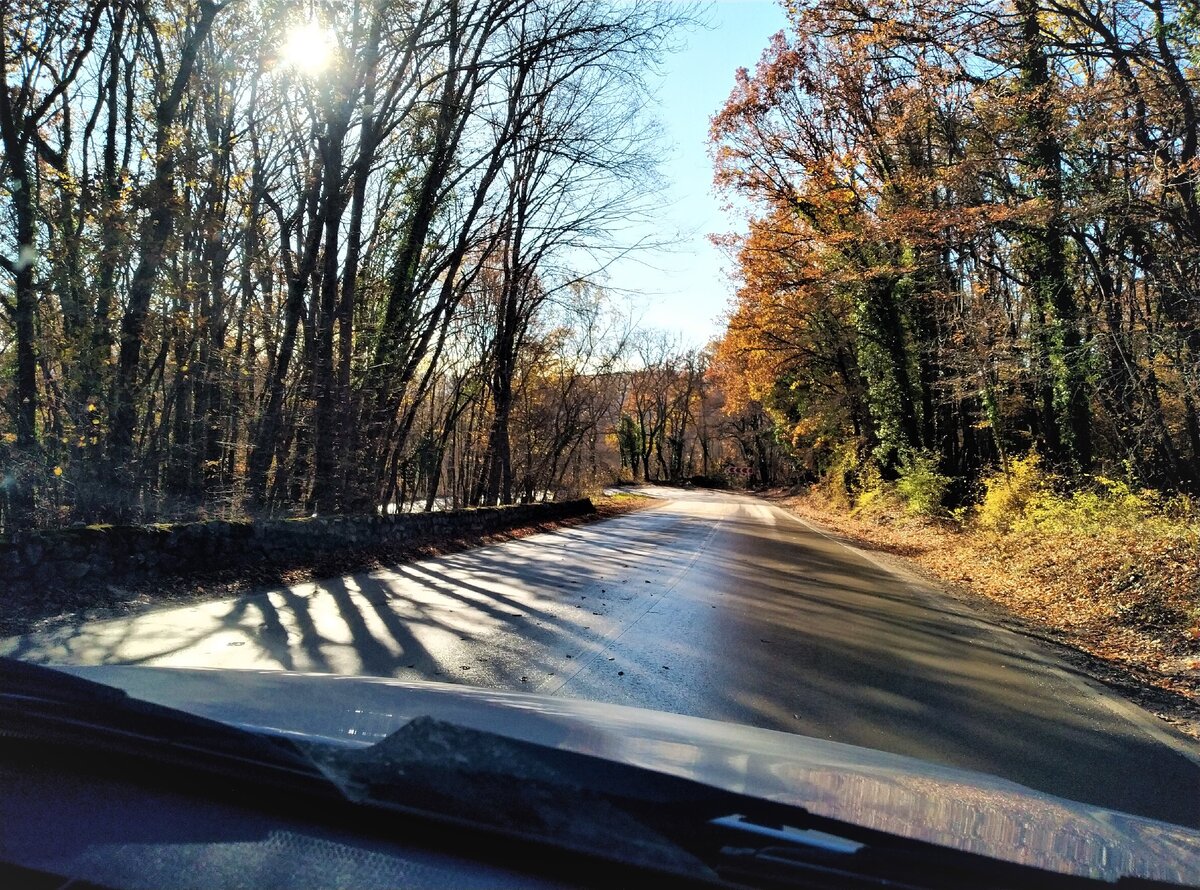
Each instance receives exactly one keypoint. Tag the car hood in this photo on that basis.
(901, 795)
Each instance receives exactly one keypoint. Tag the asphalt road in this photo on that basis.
(712, 605)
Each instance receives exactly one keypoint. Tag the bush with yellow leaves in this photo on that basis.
(1009, 493)
(1027, 498)
(920, 486)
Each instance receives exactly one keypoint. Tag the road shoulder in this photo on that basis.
(1178, 716)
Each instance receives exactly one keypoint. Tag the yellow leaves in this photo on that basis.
(1009, 493)
(9, 438)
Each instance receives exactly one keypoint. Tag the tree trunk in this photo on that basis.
(1062, 393)
(154, 236)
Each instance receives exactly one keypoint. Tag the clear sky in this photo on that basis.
(686, 289)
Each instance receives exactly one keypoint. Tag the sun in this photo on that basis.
(308, 48)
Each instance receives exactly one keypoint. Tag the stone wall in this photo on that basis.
(102, 554)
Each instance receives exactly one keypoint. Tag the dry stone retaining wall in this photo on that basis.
(125, 554)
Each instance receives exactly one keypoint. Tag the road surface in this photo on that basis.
(711, 604)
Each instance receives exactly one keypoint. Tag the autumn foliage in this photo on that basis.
(972, 234)
(968, 298)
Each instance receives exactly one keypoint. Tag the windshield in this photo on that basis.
(821, 368)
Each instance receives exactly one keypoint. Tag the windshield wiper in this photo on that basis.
(442, 774)
(46, 706)
(650, 819)
(765, 852)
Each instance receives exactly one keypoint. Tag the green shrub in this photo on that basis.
(872, 494)
(920, 486)
(1107, 505)
(843, 479)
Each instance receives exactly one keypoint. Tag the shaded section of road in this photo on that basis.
(711, 605)
(779, 626)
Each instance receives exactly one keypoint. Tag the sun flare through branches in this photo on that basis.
(309, 48)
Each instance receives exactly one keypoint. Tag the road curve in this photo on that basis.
(711, 604)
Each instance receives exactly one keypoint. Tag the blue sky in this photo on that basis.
(686, 289)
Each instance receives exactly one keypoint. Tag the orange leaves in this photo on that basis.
(729, 373)
(791, 318)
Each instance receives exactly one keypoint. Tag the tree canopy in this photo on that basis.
(259, 255)
(972, 233)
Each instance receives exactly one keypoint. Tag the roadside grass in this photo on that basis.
(1109, 572)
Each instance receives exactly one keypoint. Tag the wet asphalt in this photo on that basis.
(710, 604)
